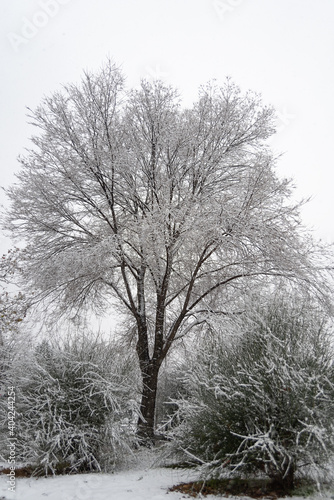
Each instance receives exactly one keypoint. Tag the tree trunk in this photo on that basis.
(285, 482)
(150, 365)
(289, 480)
(147, 407)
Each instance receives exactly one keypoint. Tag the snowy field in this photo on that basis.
(142, 480)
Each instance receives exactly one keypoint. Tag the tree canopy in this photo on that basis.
(126, 195)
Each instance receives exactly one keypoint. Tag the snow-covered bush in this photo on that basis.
(75, 406)
(170, 387)
(13, 309)
(262, 396)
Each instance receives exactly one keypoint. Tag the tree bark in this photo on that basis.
(146, 420)
(285, 481)
(149, 368)
(289, 480)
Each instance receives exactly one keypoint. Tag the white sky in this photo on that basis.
(280, 48)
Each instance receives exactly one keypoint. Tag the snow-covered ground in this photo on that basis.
(151, 484)
(144, 481)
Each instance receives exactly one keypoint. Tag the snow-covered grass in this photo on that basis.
(142, 478)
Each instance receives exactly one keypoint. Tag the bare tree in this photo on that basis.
(127, 195)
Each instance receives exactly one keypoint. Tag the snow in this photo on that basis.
(146, 484)
(150, 483)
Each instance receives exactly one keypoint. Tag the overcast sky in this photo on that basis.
(282, 49)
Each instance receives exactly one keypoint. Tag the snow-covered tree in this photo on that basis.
(128, 197)
(76, 406)
(13, 308)
(261, 397)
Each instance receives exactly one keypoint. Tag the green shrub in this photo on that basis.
(264, 400)
(75, 407)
